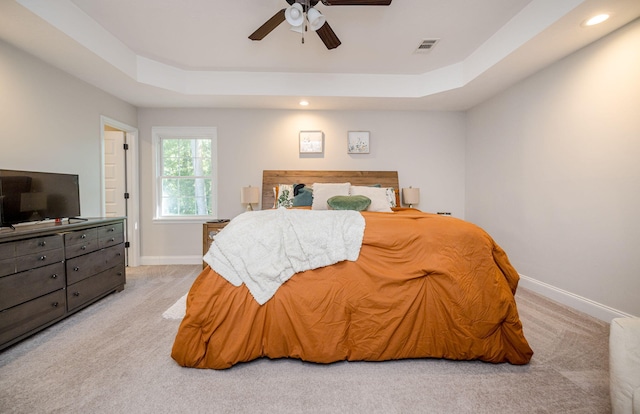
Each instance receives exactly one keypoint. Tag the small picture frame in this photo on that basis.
(358, 142)
(311, 142)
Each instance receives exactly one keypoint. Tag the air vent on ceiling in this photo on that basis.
(426, 45)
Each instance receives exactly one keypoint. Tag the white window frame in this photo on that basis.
(160, 133)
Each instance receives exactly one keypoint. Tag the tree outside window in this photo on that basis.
(185, 175)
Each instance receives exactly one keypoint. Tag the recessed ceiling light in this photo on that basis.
(596, 19)
(304, 103)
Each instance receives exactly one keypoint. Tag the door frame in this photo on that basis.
(133, 206)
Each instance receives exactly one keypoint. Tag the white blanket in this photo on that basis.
(263, 249)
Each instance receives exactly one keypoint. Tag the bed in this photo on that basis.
(420, 285)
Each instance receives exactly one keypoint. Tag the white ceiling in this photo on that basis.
(196, 53)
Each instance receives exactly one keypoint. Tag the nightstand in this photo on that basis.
(209, 231)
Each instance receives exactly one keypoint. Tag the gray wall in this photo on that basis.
(427, 150)
(553, 173)
(50, 121)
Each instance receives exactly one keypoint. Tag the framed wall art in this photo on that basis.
(311, 142)
(358, 142)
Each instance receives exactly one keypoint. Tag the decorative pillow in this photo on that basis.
(324, 191)
(378, 196)
(303, 198)
(284, 195)
(391, 196)
(356, 202)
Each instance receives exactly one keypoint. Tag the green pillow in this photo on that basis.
(303, 198)
(356, 202)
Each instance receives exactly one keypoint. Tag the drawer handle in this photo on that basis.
(54, 276)
(112, 239)
(112, 229)
(55, 304)
(84, 248)
(42, 243)
(119, 273)
(84, 236)
(76, 293)
(43, 257)
(75, 269)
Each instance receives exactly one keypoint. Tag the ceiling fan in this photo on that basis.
(302, 15)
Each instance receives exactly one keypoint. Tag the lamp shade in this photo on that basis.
(294, 14)
(410, 196)
(250, 195)
(315, 18)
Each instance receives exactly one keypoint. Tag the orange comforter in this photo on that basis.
(423, 286)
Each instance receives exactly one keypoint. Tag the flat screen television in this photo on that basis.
(35, 196)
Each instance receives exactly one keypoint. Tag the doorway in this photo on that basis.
(119, 181)
(115, 172)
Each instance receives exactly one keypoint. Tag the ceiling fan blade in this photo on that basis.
(328, 36)
(268, 26)
(356, 2)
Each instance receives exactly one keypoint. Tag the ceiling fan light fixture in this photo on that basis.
(302, 15)
(315, 18)
(297, 29)
(294, 14)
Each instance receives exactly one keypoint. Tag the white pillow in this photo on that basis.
(324, 191)
(378, 196)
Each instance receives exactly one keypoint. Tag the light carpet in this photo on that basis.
(114, 357)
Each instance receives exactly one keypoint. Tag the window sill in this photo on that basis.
(182, 220)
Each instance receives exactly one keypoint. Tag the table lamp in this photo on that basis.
(250, 195)
(410, 196)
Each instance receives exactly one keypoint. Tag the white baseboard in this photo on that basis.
(170, 260)
(588, 306)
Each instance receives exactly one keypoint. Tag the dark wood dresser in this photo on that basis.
(49, 271)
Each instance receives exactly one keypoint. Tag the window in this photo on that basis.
(185, 173)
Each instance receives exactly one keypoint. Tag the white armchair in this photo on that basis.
(624, 365)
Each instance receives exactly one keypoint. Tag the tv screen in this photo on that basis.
(35, 196)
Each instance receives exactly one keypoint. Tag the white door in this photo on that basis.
(120, 176)
(115, 182)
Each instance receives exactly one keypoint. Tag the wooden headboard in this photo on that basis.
(272, 178)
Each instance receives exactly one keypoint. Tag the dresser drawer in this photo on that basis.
(22, 287)
(95, 286)
(31, 315)
(85, 247)
(81, 236)
(7, 266)
(110, 235)
(7, 250)
(39, 259)
(104, 231)
(111, 240)
(38, 244)
(82, 267)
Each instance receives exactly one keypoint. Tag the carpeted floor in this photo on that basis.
(114, 357)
